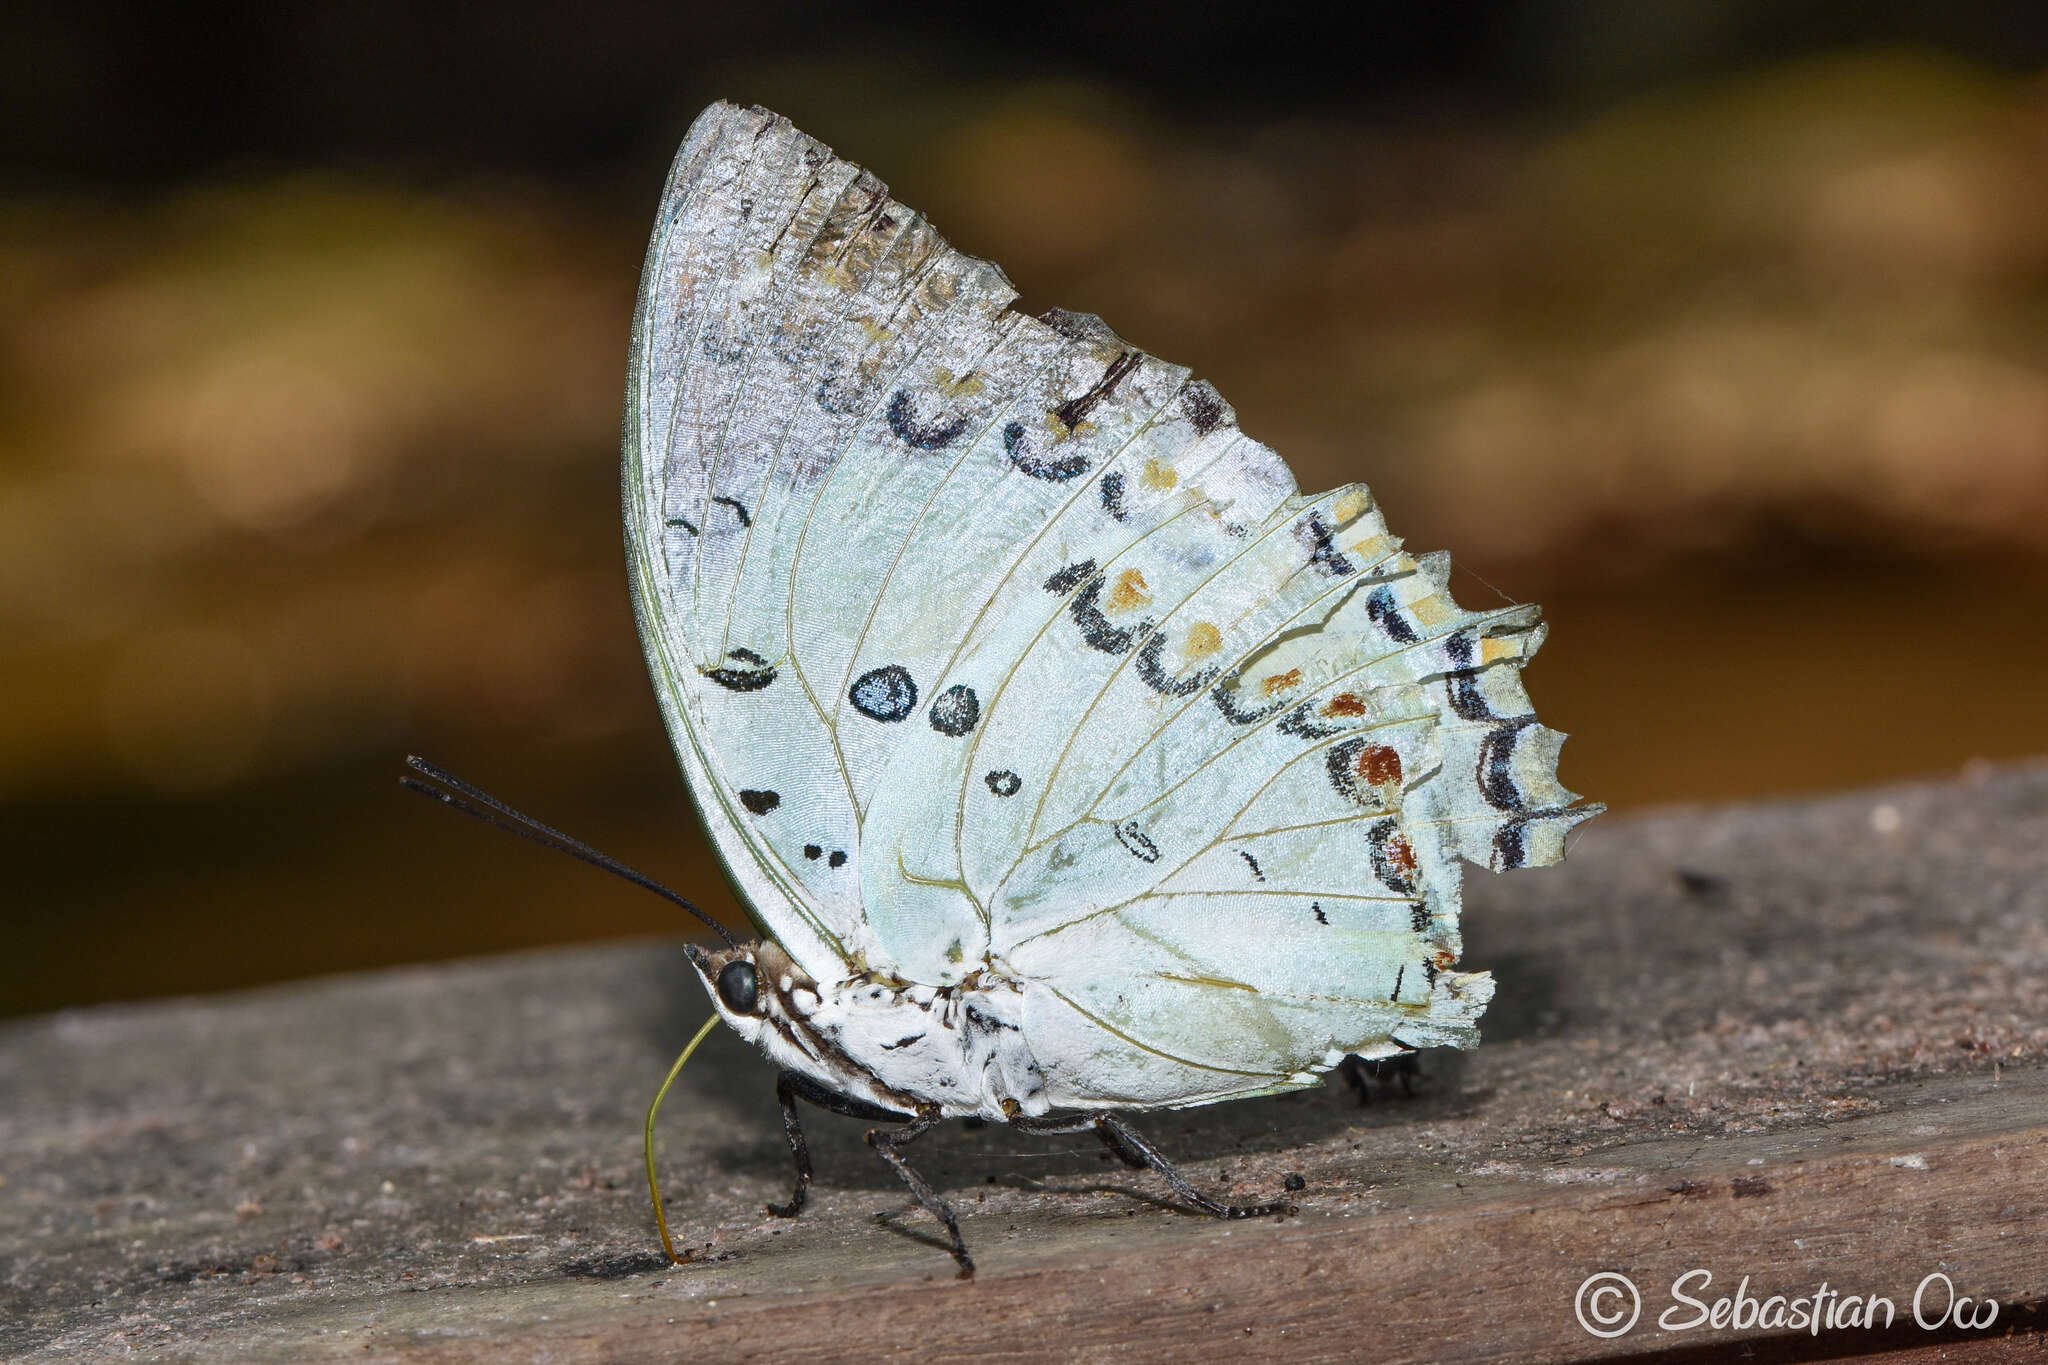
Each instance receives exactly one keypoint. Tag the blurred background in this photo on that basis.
(1718, 326)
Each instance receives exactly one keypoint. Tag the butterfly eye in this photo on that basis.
(738, 987)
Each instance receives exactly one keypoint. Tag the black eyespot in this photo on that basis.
(885, 693)
(739, 987)
(957, 711)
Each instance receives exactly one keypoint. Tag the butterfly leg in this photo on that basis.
(791, 1086)
(1125, 1143)
(799, 1150)
(1134, 1150)
(886, 1145)
(1358, 1072)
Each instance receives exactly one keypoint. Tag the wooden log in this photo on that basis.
(1800, 1043)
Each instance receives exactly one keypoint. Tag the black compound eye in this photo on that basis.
(739, 987)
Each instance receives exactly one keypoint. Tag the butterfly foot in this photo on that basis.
(886, 1145)
(1126, 1143)
(799, 1150)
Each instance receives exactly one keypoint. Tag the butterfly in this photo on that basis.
(1069, 760)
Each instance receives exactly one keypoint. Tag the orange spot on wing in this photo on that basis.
(1129, 591)
(1203, 640)
(1344, 704)
(1280, 682)
(1379, 765)
(1400, 855)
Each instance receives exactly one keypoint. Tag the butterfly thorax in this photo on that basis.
(894, 1044)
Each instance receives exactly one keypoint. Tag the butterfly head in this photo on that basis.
(749, 984)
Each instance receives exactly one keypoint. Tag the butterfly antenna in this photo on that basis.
(481, 805)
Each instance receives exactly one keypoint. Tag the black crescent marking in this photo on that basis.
(1379, 605)
(1467, 701)
(1383, 866)
(1395, 994)
(739, 509)
(1339, 762)
(1253, 864)
(1017, 445)
(1113, 495)
(760, 802)
(1462, 681)
(1095, 627)
(1317, 906)
(1302, 724)
(1418, 917)
(922, 435)
(683, 522)
(1155, 676)
(1205, 407)
(1497, 766)
(1510, 849)
(1322, 547)
(1070, 578)
(1221, 694)
(752, 678)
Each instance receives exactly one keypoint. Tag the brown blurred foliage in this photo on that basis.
(281, 468)
(1748, 381)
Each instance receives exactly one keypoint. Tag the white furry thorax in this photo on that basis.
(898, 1045)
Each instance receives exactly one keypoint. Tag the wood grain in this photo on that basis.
(1792, 1042)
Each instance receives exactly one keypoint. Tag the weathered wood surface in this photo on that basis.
(1798, 1042)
